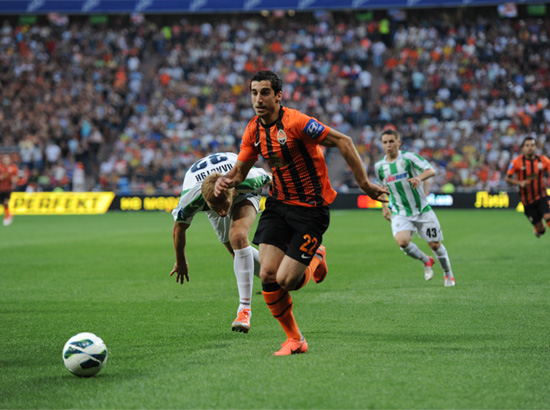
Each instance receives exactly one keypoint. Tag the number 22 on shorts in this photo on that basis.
(309, 245)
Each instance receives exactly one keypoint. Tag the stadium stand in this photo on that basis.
(127, 105)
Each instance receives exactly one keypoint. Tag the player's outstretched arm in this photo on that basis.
(417, 180)
(181, 267)
(510, 179)
(386, 211)
(350, 154)
(233, 178)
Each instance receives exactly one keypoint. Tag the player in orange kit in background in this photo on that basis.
(528, 172)
(8, 182)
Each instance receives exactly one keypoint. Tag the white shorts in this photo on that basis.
(221, 225)
(426, 224)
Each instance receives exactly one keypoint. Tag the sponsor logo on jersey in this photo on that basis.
(397, 177)
(314, 129)
(276, 162)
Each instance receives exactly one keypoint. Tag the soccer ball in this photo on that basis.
(84, 354)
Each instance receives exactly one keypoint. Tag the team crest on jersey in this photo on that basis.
(281, 137)
(314, 129)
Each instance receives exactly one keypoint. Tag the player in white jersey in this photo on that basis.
(403, 173)
(232, 218)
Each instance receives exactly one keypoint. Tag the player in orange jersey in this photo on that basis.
(296, 213)
(528, 172)
(8, 182)
(232, 216)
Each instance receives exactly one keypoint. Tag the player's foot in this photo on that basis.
(7, 221)
(538, 235)
(428, 270)
(292, 346)
(449, 281)
(242, 323)
(322, 270)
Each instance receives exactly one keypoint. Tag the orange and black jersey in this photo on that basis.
(532, 170)
(291, 147)
(8, 174)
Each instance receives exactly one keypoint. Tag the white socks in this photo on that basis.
(443, 258)
(243, 264)
(414, 251)
(256, 256)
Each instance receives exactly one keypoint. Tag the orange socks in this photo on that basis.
(308, 274)
(280, 304)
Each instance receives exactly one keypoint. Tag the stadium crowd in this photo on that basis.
(129, 105)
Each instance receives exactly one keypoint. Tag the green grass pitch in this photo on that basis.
(379, 335)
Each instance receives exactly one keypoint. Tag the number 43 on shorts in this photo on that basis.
(431, 232)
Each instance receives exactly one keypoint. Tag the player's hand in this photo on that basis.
(222, 185)
(415, 182)
(386, 212)
(182, 273)
(376, 191)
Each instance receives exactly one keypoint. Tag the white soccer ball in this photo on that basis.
(85, 354)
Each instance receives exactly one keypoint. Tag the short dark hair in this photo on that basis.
(274, 79)
(528, 138)
(390, 131)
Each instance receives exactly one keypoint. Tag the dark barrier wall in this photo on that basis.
(474, 200)
(203, 6)
(93, 203)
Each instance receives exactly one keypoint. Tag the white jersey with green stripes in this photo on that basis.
(191, 201)
(395, 174)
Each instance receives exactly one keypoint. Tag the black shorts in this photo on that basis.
(296, 230)
(535, 211)
(4, 196)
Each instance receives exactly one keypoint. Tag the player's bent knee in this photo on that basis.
(287, 284)
(267, 277)
(403, 243)
(238, 240)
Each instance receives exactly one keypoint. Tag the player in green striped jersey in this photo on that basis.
(403, 173)
(232, 216)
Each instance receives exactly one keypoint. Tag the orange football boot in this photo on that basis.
(242, 322)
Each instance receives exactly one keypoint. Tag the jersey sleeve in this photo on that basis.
(191, 202)
(312, 128)
(256, 180)
(419, 164)
(378, 172)
(512, 168)
(249, 151)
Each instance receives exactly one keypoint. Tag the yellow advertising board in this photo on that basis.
(60, 203)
